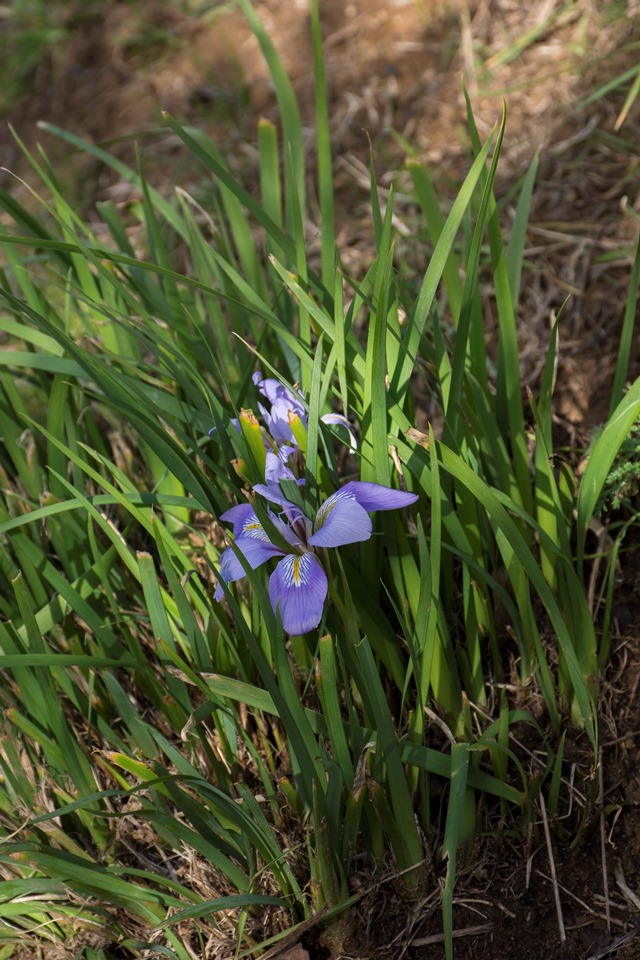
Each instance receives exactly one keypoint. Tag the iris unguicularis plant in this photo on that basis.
(298, 586)
(111, 548)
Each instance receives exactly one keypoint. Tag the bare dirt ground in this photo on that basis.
(396, 65)
(392, 65)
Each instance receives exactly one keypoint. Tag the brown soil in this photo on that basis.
(392, 65)
(505, 905)
(396, 65)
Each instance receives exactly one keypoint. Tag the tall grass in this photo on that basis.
(149, 729)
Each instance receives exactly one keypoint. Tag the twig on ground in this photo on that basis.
(626, 891)
(530, 857)
(293, 936)
(594, 913)
(439, 722)
(604, 540)
(506, 911)
(465, 932)
(552, 867)
(603, 841)
(623, 941)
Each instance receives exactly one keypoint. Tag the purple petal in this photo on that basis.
(340, 520)
(255, 552)
(246, 522)
(341, 421)
(273, 493)
(285, 451)
(276, 469)
(279, 418)
(291, 511)
(288, 533)
(238, 516)
(234, 423)
(298, 587)
(264, 413)
(375, 496)
(275, 424)
(268, 387)
(273, 390)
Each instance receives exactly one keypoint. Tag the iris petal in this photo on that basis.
(234, 423)
(272, 492)
(288, 533)
(298, 587)
(276, 469)
(256, 552)
(239, 516)
(340, 421)
(264, 413)
(282, 400)
(273, 390)
(375, 496)
(269, 387)
(279, 418)
(340, 520)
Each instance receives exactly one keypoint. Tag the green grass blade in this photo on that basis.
(437, 263)
(601, 457)
(290, 114)
(435, 224)
(518, 238)
(323, 146)
(455, 814)
(626, 334)
(375, 452)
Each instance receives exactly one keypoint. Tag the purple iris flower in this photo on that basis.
(298, 586)
(276, 468)
(282, 402)
(286, 404)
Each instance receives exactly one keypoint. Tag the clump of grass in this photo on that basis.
(268, 761)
